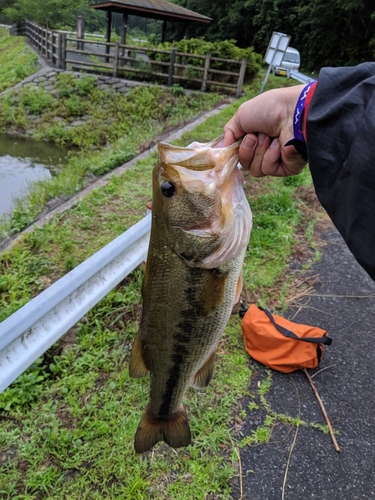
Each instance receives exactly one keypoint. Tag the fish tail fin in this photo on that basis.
(175, 431)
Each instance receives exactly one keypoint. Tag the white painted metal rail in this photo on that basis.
(30, 331)
(300, 76)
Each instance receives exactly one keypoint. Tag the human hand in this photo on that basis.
(266, 124)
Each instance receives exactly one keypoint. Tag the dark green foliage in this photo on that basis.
(337, 32)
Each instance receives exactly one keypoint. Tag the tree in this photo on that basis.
(48, 13)
(326, 32)
(227, 23)
(337, 32)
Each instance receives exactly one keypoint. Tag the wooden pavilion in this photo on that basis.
(155, 9)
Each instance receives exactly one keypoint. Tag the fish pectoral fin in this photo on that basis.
(204, 375)
(137, 367)
(212, 294)
(174, 431)
(239, 288)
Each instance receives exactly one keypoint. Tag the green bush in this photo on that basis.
(225, 49)
(35, 99)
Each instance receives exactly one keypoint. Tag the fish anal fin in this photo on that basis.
(239, 288)
(204, 375)
(212, 294)
(137, 367)
(174, 431)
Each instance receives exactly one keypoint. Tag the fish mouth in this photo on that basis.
(199, 156)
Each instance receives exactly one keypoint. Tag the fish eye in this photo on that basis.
(168, 189)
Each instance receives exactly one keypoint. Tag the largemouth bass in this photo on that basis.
(201, 223)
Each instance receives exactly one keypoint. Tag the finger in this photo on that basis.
(233, 131)
(292, 160)
(256, 165)
(279, 162)
(229, 137)
(247, 149)
(271, 163)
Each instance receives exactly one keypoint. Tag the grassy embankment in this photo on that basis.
(17, 60)
(69, 421)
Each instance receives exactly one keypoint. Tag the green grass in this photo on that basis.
(69, 420)
(17, 60)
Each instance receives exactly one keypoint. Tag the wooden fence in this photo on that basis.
(141, 63)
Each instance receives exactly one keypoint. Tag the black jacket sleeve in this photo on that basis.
(340, 131)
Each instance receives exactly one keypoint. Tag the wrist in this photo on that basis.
(298, 140)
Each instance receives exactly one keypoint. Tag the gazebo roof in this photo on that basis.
(156, 9)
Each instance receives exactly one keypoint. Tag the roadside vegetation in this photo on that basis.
(17, 60)
(68, 422)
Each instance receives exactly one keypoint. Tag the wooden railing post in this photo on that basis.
(115, 59)
(80, 32)
(44, 34)
(205, 72)
(53, 50)
(171, 68)
(40, 46)
(241, 77)
(62, 50)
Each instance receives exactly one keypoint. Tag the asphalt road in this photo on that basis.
(343, 304)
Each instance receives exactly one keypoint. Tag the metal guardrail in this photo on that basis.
(31, 330)
(300, 76)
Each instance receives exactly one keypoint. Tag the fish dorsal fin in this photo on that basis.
(137, 367)
(204, 375)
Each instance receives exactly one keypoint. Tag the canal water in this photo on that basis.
(22, 162)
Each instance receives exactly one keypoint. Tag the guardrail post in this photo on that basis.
(241, 77)
(205, 72)
(171, 68)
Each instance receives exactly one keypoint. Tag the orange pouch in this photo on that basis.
(281, 344)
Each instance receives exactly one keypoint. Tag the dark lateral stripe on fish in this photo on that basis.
(172, 382)
(181, 339)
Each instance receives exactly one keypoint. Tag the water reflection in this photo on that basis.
(22, 162)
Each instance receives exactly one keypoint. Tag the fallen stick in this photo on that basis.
(240, 466)
(293, 443)
(335, 444)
